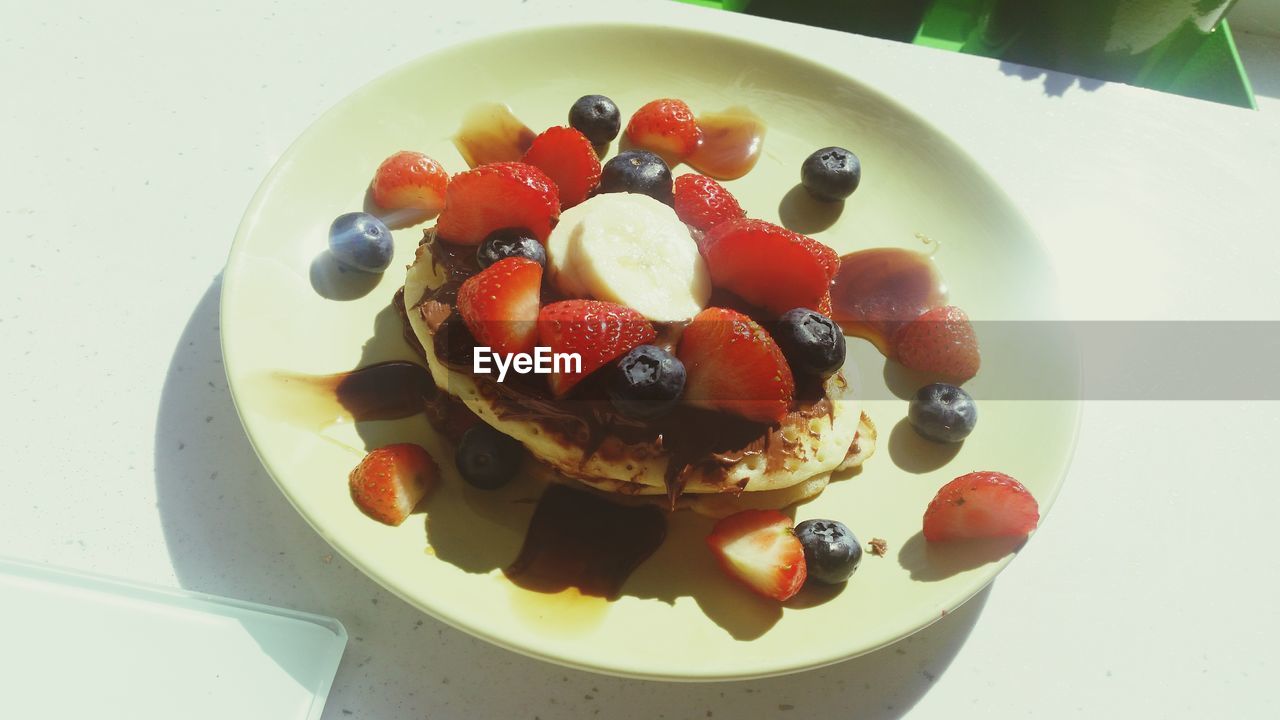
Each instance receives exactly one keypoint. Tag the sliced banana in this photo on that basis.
(633, 250)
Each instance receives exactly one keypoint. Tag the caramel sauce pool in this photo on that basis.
(731, 143)
(877, 291)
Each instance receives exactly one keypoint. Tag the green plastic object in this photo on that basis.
(1169, 45)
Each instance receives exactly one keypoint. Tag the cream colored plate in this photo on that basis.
(678, 617)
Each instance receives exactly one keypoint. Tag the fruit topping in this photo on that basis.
(390, 481)
(667, 127)
(831, 174)
(510, 242)
(568, 158)
(941, 342)
(769, 266)
(637, 171)
(759, 549)
(597, 331)
(647, 382)
(704, 203)
(596, 117)
(632, 250)
(733, 365)
(496, 196)
(500, 305)
(410, 180)
(980, 505)
(361, 241)
(943, 413)
(491, 133)
(488, 459)
(811, 342)
(831, 552)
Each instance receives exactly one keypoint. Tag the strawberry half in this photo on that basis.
(410, 180)
(733, 365)
(496, 196)
(390, 481)
(568, 158)
(759, 549)
(499, 305)
(941, 342)
(666, 127)
(704, 203)
(597, 331)
(768, 265)
(981, 505)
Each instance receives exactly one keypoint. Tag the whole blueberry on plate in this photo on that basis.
(812, 343)
(943, 413)
(831, 174)
(597, 117)
(831, 552)
(637, 171)
(646, 382)
(488, 459)
(361, 241)
(510, 242)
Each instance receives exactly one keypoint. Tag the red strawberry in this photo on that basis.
(597, 331)
(733, 365)
(768, 265)
(496, 196)
(759, 548)
(499, 305)
(390, 481)
(981, 505)
(410, 180)
(824, 305)
(666, 127)
(704, 203)
(568, 158)
(940, 342)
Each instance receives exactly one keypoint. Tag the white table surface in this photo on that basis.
(134, 134)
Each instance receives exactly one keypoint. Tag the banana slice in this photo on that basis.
(633, 250)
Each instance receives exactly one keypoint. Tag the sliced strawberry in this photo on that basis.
(597, 331)
(759, 549)
(390, 481)
(981, 505)
(940, 342)
(733, 365)
(568, 158)
(496, 196)
(410, 180)
(499, 305)
(666, 127)
(704, 203)
(768, 265)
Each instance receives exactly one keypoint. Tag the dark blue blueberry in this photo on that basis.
(596, 117)
(943, 413)
(361, 241)
(831, 552)
(487, 459)
(831, 174)
(812, 343)
(637, 171)
(510, 242)
(646, 382)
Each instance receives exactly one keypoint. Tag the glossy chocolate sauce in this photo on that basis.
(492, 133)
(383, 391)
(877, 291)
(731, 143)
(577, 539)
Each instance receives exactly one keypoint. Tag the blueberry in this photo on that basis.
(646, 382)
(361, 241)
(637, 171)
(510, 242)
(811, 342)
(831, 174)
(486, 458)
(943, 413)
(831, 552)
(596, 117)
